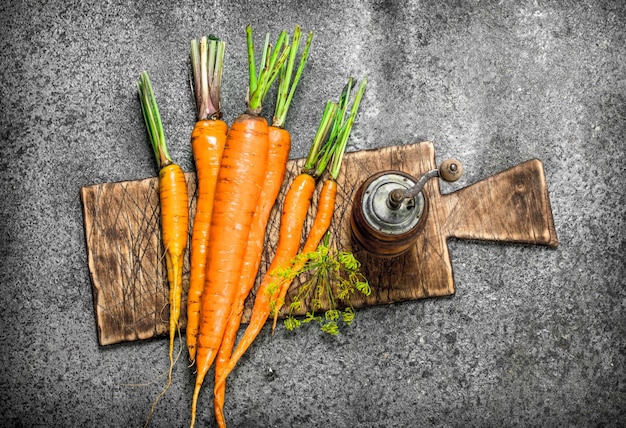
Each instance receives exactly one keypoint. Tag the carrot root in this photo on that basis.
(237, 191)
(321, 223)
(207, 141)
(294, 212)
(278, 155)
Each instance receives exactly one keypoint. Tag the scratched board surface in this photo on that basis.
(127, 266)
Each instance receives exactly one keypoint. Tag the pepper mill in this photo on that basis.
(390, 209)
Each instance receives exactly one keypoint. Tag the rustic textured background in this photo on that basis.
(533, 337)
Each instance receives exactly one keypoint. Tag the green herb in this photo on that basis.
(331, 278)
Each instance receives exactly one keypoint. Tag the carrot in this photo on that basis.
(174, 213)
(279, 147)
(328, 194)
(294, 211)
(239, 183)
(207, 141)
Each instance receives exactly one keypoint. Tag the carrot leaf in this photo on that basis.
(152, 119)
(272, 60)
(285, 91)
(252, 84)
(329, 147)
(328, 117)
(344, 132)
(331, 138)
(333, 150)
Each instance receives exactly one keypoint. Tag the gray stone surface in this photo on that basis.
(533, 337)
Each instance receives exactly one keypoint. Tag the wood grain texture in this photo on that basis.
(126, 259)
(128, 270)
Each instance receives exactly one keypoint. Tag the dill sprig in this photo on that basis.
(331, 278)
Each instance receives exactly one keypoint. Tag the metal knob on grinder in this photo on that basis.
(390, 209)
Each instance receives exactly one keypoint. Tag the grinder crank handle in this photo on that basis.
(450, 170)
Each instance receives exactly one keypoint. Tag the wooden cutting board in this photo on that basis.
(127, 266)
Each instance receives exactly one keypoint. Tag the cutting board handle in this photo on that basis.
(511, 206)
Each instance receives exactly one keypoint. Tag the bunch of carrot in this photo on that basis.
(329, 143)
(278, 155)
(240, 171)
(249, 176)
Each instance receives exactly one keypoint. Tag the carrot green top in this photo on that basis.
(285, 94)
(153, 121)
(331, 139)
(207, 59)
(344, 130)
(321, 135)
(270, 65)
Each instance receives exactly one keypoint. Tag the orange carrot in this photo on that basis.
(240, 178)
(326, 202)
(294, 212)
(174, 214)
(279, 147)
(207, 142)
(323, 218)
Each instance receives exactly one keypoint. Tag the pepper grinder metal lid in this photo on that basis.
(390, 209)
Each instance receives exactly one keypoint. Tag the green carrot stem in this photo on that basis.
(285, 93)
(267, 48)
(207, 59)
(321, 134)
(265, 53)
(252, 83)
(274, 71)
(271, 63)
(273, 60)
(285, 73)
(153, 122)
(331, 144)
(344, 134)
